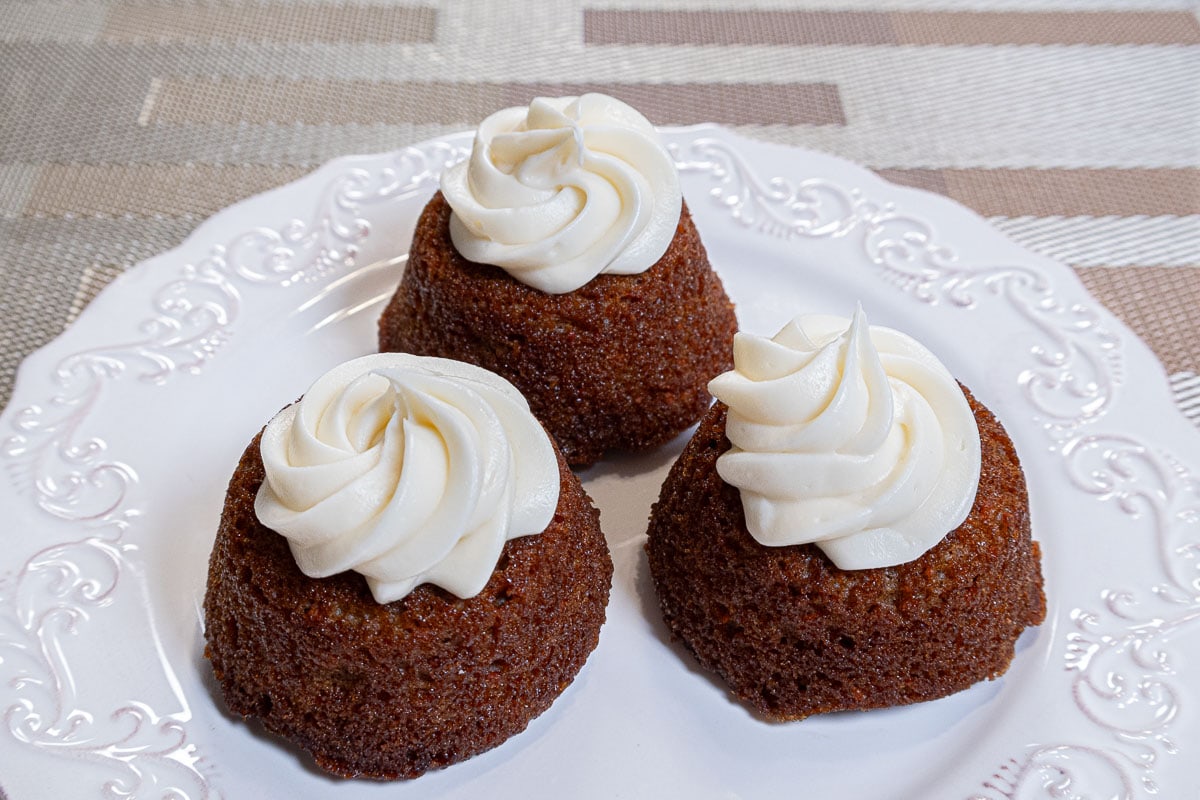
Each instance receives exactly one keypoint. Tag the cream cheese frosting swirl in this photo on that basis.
(564, 190)
(856, 438)
(407, 470)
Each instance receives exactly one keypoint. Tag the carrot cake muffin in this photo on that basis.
(406, 571)
(561, 256)
(848, 528)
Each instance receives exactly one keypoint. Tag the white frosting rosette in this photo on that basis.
(564, 190)
(856, 438)
(407, 470)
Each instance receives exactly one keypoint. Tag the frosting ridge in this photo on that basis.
(854, 437)
(564, 190)
(407, 470)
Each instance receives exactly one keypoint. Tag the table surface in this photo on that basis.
(1073, 125)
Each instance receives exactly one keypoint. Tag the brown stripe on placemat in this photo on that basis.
(129, 20)
(1046, 27)
(149, 189)
(1158, 303)
(618, 26)
(613, 26)
(258, 102)
(1061, 192)
(931, 180)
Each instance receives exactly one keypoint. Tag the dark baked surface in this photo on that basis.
(622, 363)
(391, 691)
(792, 635)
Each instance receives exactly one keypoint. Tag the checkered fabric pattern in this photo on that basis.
(1073, 125)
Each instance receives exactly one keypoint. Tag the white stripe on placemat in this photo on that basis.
(95, 277)
(1109, 241)
(1186, 386)
(16, 182)
(910, 5)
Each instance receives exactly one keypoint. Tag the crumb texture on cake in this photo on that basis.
(792, 635)
(620, 364)
(391, 691)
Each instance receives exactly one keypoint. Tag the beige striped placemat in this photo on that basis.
(1073, 125)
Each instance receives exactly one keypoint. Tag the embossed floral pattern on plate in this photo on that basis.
(1100, 701)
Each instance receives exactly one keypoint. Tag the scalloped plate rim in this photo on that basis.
(207, 231)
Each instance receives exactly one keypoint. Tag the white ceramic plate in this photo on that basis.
(122, 433)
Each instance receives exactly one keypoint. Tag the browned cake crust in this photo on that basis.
(390, 691)
(621, 363)
(792, 635)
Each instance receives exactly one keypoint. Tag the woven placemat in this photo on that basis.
(1073, 125)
